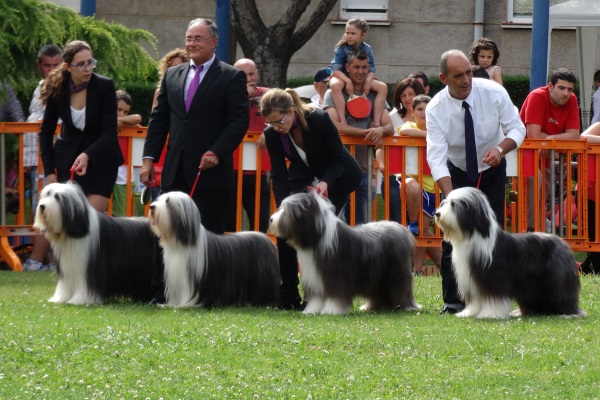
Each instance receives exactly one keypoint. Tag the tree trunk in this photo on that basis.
(272, 47)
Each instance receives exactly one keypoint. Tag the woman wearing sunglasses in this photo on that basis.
(87, 146)
(308, 139)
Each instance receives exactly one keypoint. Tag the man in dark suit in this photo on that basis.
(203, 129)
(203, 108)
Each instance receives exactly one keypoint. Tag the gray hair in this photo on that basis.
(212, 27)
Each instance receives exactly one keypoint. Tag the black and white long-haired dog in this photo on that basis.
(338, 262)
(206, 269)
(492, 267)
(100, 257)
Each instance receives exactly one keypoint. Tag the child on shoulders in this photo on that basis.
(356, 29)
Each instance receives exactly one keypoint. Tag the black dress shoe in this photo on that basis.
(297, 305)
(156, 301)
(449, 310)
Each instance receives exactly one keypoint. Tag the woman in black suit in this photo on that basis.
(310, 141)
(87, 105)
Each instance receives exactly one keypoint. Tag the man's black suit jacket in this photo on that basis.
(217, 121)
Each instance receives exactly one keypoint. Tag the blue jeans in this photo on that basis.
(393, 199)
(361, 193)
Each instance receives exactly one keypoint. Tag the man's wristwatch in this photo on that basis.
(500, 151)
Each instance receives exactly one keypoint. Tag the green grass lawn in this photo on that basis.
(124, 350)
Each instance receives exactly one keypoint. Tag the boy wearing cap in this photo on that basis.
(321, 84)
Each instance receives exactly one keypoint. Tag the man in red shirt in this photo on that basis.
(551, 112)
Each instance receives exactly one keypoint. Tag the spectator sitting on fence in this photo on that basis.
(124, 119)
(404, 93)
(420, 198)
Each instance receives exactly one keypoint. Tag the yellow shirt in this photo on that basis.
(428, 182)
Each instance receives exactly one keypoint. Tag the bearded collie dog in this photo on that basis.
(206, 269)
(339, 262)
(491, 267)
(100, 257)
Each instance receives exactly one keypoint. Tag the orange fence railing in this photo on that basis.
(569, 166)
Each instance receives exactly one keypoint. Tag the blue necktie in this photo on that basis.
(193, 86)
(470, 149)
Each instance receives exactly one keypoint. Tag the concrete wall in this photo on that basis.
(420, 31)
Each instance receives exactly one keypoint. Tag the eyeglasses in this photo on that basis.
(276, 123)
(84, 66)
(197, 40)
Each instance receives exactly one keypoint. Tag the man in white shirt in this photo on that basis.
(493, 114)
(49, 57)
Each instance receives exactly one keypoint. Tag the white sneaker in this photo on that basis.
(31, 265)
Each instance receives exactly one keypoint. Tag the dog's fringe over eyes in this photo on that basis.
(492, 267)
(338, 262)
(203, 268)
(100, 258)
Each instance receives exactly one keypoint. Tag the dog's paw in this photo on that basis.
(312, 307)
(367, 306)
(466, 312)
(414, 306)
(84, 300)
(55, 299)
(335, 307)
(516, 313)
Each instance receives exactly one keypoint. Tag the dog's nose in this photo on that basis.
(42, 207)
(437, 214)
(152, 207)
(271, 220)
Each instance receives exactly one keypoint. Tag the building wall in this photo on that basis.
(419, 32)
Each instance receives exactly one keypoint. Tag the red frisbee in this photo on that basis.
(359, 106)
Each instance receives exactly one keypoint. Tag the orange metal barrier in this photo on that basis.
(561, 165)
(412, 153)
(573, 159)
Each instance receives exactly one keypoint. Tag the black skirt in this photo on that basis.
(94, 181)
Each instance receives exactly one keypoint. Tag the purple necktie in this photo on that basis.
(193, 86)
(470, 149)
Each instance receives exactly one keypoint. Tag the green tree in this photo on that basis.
(26, 25)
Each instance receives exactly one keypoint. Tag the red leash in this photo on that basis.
(208, 153)
(72, 170)
(479, 180)
(195, 182)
